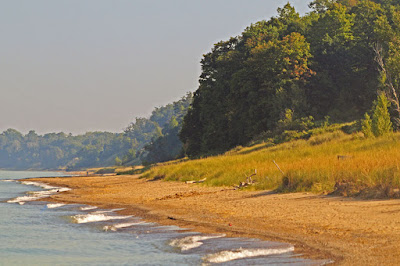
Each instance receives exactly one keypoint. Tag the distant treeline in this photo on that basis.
(277, 79)
(296, 68)
(145, 140)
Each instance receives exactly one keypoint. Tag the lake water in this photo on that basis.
(39, 233)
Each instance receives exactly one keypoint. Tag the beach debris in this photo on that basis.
(278, 167)
(249, 181)
(180, 195)
(196, 181)
(344, 157)
(172, 218)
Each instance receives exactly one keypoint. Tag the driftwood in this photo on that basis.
(391, 91)
(249, 181)
(344, 157)
(196, 181)
(278, 167)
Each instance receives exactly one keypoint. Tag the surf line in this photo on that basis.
(35, 195)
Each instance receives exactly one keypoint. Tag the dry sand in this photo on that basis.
(348, 231)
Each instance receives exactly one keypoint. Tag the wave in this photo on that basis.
(108, 211)
(31, 197)
(55, 205)
(93, 217)
(115, 227)
(22, 200)
(9, 180)
(38, 184)
(88, 208)
(35, 195)
(229, 255)
(191, 242)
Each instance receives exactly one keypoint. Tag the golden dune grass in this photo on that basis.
(316, 164)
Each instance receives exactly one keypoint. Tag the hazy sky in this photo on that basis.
(86, 65)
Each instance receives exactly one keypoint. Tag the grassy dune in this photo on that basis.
(345, 164)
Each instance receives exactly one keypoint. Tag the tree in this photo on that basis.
(367, 126)
(247, 83)
(381, 124)
(331, 41)
(390, 84)
(118, 161)
(321, 6)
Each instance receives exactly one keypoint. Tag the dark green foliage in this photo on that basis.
(247, 84)
(168, 146)
(157, 138)
(163, 115)
(165, 148)
(143, 131)
(319, 65)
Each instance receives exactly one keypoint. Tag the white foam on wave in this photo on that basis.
(38, 184)
(55, 205)
(9, 180)
(31, 197)
(191, 242)
(35, 195)
(108, 211)
(115, 227)
(229, 255)
(93, 217)
(88, 208)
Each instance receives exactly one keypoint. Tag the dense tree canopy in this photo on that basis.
(321, 64)
(168, 146)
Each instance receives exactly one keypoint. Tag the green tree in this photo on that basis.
(247, 83)
(367, 126)
(331, 40)
(381, 124)
(321, 6)
(118, 161)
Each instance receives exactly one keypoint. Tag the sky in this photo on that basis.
(95, 65)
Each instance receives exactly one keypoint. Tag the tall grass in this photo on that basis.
(323, 163)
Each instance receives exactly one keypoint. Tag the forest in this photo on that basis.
(276, 80)
(142, 141)
(292, 72)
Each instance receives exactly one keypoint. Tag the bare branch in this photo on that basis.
(392, 92)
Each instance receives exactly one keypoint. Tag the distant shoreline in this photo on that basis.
(32, 170)
(67, 174)
(344, 230)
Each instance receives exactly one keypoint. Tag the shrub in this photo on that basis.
(381, 124)
(118, 161)
(367, 126)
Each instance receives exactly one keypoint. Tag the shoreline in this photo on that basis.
(341, 229)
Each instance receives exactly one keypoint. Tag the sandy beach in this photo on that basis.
(348, 231)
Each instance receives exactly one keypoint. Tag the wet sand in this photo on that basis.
(348, 231)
